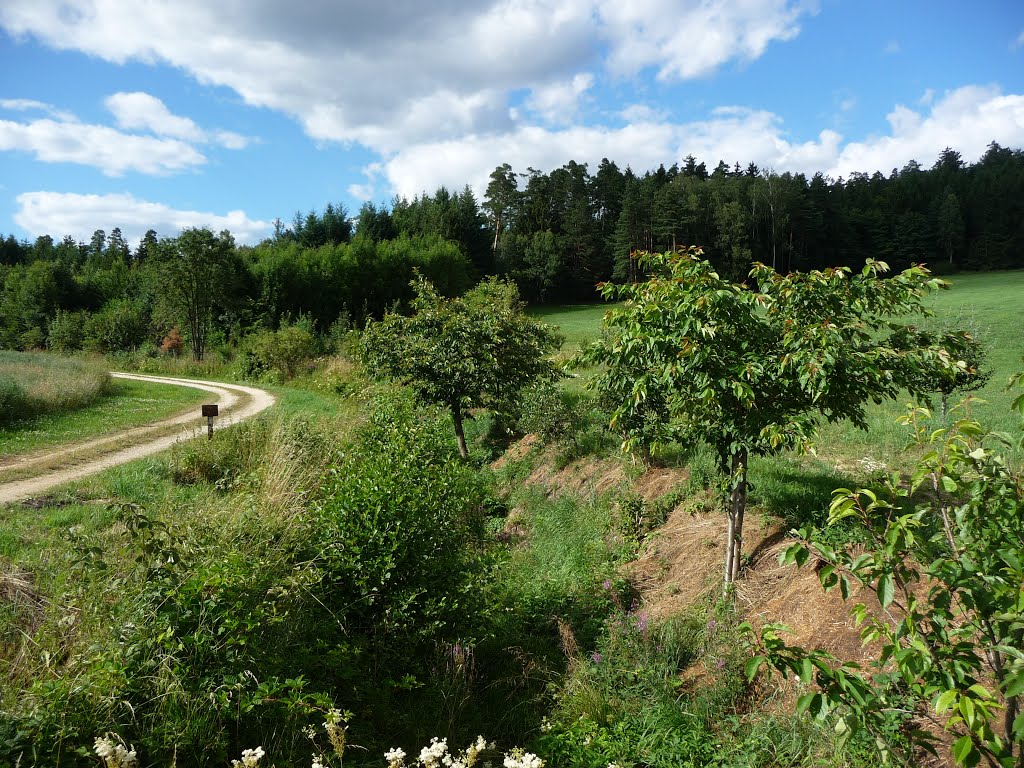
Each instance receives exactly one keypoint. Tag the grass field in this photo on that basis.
(993, 298)
(32, 384)
(126, 404)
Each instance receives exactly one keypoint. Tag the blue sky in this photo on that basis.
(118, 113)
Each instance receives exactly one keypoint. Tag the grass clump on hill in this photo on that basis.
(32, 384)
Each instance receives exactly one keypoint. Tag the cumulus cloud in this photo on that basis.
(63, 139)
(386, 75)
(142, 111)
(967, 118)
(111, 151)
(693, 39)
(559, 102)
(42, 213)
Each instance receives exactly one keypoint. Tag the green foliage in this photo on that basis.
(395, 531)
(67, 331)
(626, 702)
(945, 560)
(122, 325)
(283, 352)
(692, 357)
(191, 275)
(967, 343)
(479, 350)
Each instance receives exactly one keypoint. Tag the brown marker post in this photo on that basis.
(209, 411)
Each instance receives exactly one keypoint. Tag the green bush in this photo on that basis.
(284, 352)
(67, 331)
(13, 401)
(122, 325)
(396, 534)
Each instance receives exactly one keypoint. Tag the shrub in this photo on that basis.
(172, 343)
(121, 325)
(283, 352)
(67, 331)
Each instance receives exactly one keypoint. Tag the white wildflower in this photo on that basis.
(395, 757)
(115, 754)
(433, 755)
(318, 762)
(517, 758)
(250, 758)
(473, 752)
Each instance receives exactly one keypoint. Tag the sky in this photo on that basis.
(167, 114)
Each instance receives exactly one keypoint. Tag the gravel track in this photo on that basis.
(236, 403)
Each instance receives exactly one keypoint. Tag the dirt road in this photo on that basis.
(57, 466)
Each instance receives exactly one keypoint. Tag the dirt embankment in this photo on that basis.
(681, 562)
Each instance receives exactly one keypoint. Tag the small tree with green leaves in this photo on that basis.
(966, 340)
(944, 554)
(476, 351)
(753, 371)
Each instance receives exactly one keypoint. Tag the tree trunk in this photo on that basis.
(459, 434)
(737, 510)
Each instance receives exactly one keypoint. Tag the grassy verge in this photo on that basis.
(34, 384)
(127, 404)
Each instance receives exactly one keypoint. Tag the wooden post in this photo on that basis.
(209, 411)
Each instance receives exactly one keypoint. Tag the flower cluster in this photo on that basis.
(115, 754)
(334, 724)
(472, 753)
(436, 755)
(517, 758)
(250, 758)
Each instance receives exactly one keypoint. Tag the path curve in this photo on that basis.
(236, 403)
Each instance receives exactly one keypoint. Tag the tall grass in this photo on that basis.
(35, 383)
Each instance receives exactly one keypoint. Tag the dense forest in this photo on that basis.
(555, 234)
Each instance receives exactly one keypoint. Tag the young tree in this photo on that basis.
(690, 356)
(191, 273)
(479, 350)
(944, 555)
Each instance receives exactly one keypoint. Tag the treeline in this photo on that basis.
(558, 234)
(555, 234)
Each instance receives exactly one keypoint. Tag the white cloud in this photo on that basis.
(31, 105)
(112, 152)
(642, 113)
(559, 102)
(66, 140)
(1019, 42)
(142, 111)
(693, 39)
(387, 75)
(967, 119)
(42, 213)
